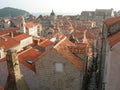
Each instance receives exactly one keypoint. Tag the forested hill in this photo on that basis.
(12, 12)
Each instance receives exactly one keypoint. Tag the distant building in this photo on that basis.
(98, 15)
(87, 15)
(48, 21)
(101, 14)
(30, 28)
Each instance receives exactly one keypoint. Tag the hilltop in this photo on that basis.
(12, 12)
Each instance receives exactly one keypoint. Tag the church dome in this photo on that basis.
(52, 13)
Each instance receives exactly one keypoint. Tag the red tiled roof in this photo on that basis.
(62, 48)
(31, 24)
(29, 54)
(111, 21)
(21, 37)
(58, 35)
(45, 43)
(1, 88)
(114, 39)
(5, 31)
(8, 43)
(3, 59)
(38, 24)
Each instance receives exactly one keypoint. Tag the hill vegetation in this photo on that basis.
(12, 12)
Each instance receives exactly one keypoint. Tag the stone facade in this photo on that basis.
(112, 67)
(3, 73)
(30, 77)
(66, 77)
(110, 54)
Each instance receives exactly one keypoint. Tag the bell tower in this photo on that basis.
(22, 25)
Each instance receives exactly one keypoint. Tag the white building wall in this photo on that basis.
(2, 54)
(33, 31)
(26, 42)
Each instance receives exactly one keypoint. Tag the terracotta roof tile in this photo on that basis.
(3, 59)
(30, 55)
(1, 88)
(62, 48)
(45, 43)
(7, 42)
(114, 39)
(8, 30)
(29, 25)
(21, 37)
(59, 35)
(111, 21)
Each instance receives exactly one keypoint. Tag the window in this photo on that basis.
(59, 67)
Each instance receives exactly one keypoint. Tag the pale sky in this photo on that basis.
(73, 6)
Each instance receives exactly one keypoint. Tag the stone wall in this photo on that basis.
(69, 79)
(3, 73)
(114, 69)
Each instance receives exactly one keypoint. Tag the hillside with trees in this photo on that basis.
(12, 12)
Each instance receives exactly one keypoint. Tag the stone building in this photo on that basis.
(110, 54)
(59, 69)
(101, 14)
(87, 15)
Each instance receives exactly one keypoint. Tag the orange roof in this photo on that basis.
(1, 88)
(62, 48)
(8, 30)
(29, 25)
(58, 35)
(30, 55)
(114, 39)
(7, 42)
(21, 37)
(45, 43)
(3, 59)
(38, 24)
(111, 21)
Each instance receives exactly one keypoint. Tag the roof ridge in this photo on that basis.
(24, 51)
(59, 42)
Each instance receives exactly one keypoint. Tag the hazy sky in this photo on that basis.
(73, 6)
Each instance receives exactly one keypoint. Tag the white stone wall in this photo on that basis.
(2, 54)
(26, 42)
(33, 31)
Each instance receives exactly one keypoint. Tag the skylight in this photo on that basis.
(29, 61)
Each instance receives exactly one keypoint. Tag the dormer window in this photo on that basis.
(59, 67)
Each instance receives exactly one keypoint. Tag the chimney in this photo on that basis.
(15, 80)
(11, 33)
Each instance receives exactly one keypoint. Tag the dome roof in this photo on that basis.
(52, 13)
